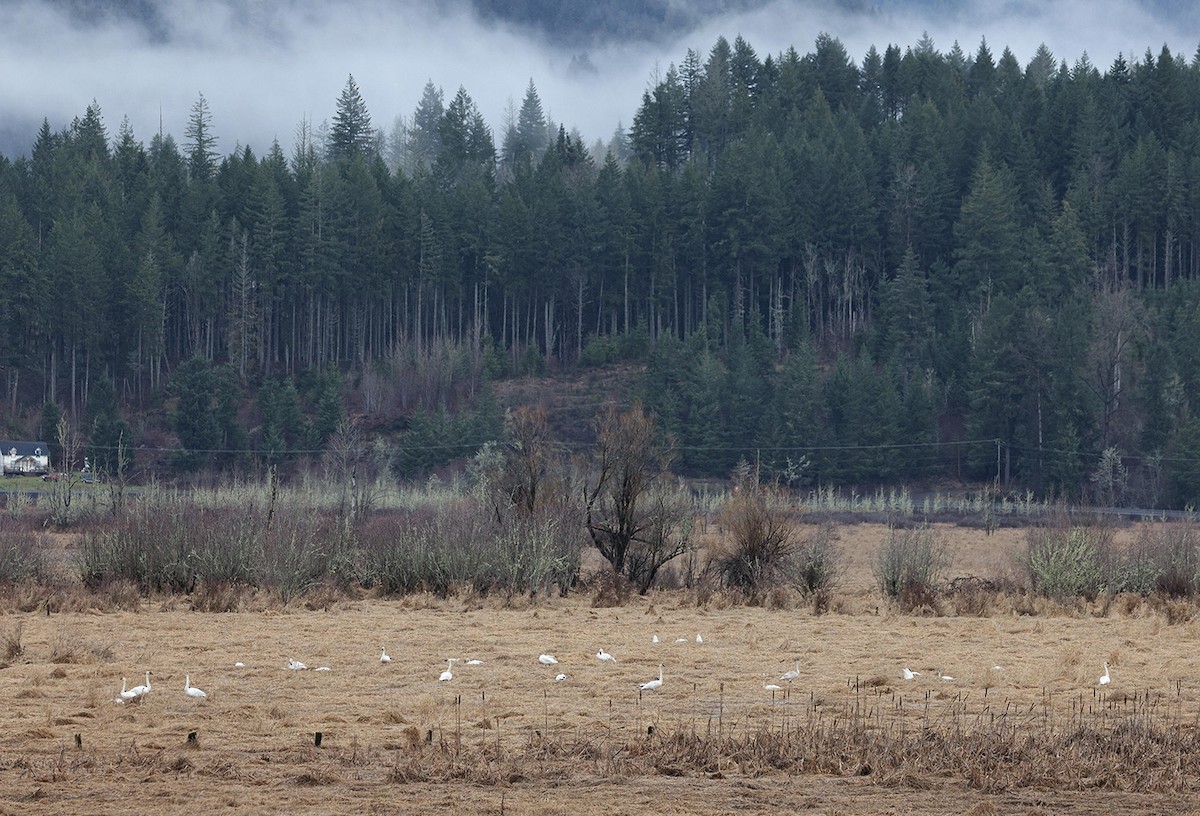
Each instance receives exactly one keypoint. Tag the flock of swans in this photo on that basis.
(137, 693)
(547, 659)
(908, 674)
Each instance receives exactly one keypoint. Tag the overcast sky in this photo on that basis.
(263, 66)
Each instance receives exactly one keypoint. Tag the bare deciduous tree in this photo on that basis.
(528, 459)
(635, 518)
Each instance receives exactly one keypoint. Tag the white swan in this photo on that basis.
(190, 690)
(474, 661)
(239, 665)
(946, 677)
(791, 674)
(654, 638)
(654, 684)
(138, 691)
(448, 675)
(773, 687)
(383, 655)
(698, 638)
(560, 676)
(1105, 678)
(548, 660)
(295, 665)
(124, 696)
(605, 657)
(909, 674)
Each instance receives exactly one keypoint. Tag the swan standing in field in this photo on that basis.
(654, 684)
(124, 696)
(773, 687)
(605, 657)
(190, 690)
(138, 691)
(295, 665)
(791, 674)
(654, 638)
(1105, 678)
(548, 660)
(448, 675)
(384, 657)
(909, 674)
(698, 638)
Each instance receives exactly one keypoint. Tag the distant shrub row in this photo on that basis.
(454, 541)
(178, 547)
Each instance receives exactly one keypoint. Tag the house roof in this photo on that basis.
(7, 446)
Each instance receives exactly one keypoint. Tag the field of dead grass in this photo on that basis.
(1022, 728)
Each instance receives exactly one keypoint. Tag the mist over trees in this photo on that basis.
(914, 266)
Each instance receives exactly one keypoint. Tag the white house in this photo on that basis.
(24, 458)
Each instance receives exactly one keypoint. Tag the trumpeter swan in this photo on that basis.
(474, 662)
(447, 674)
(654, 638)
(773, 687)
(681, 640)
(698, 638)
(653, 684)
(560, 676)
(295, 665)
(946, 677)
(1105, 678)
(322, 668)
(909, 674)
(190, 690)
(124, 696)
(239, 665)
(384, 657)
(605, 657)
(548, 660)
(139, 691)
(791, 674)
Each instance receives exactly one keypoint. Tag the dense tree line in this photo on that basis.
(914, 265)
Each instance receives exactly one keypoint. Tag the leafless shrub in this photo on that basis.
(909, 565)
(10, 642)
(757, 552)
(1174, 549)
(67, 647)
(1066, 561)
(972, 596)
(22, 555)
(610, 589)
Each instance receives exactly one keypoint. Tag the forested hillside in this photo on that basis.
(910, 266)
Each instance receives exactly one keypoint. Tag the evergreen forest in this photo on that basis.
(914, 266)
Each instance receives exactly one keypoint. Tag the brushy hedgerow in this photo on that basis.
(1073, 561)
(1175, 550)
(172, 545)
(463, 545)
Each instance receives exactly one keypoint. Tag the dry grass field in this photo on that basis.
(1022, 728)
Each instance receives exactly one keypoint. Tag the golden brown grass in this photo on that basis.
(1023, 727)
